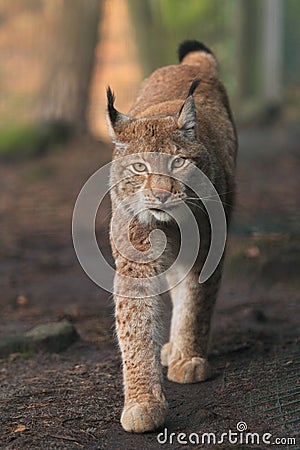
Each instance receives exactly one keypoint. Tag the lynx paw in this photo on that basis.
(189, 370)
(144, 416)
(165, 354)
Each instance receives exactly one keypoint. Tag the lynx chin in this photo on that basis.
(182, 113)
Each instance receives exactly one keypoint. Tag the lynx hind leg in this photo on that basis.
(184, 370)
(165, 354)
(189, 370)
(175, 293)
(186, 352)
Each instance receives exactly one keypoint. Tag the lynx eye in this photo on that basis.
(177, 163)
(139, 167)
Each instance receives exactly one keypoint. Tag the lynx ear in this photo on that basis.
(115, 119)
(187, 120)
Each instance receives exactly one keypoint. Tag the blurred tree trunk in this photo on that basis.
(272, 44)
(150, 34)
(248, 61)
(70, 59)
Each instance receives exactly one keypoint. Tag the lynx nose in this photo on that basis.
(162, 196)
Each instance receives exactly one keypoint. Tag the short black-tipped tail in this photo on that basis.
(192, 46)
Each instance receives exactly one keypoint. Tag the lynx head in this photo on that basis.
(150, 155)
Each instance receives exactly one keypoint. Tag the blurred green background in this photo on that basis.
(57, 56)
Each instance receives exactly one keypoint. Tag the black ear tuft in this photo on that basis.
(115, 119)
(113, 113)
(194, 86)
(192, 89)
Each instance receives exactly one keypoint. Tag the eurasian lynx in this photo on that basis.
(182, 111)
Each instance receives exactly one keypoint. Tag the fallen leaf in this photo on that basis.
(22, 300)
(19, 429)
(253, 252)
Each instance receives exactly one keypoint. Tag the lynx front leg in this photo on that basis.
(137, 321)
(186, 353)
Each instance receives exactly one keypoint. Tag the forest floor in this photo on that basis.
(74, 399)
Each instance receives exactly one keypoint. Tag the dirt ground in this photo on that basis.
(73, 399)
